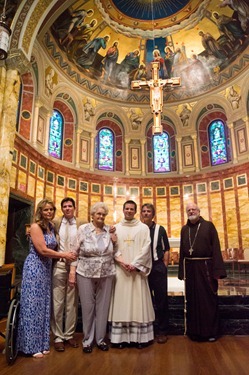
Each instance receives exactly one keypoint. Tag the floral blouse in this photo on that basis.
(95, 252)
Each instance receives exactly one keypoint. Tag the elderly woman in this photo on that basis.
(95, 272)
(34, 319)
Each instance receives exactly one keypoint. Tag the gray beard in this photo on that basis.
(193, 217)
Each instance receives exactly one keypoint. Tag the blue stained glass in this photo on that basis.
(161, 153)
(106, 148)
(217, 142)
(55, 135)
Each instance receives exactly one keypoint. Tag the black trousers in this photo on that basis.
(158, 284)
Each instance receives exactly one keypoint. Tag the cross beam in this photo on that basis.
(156, 85)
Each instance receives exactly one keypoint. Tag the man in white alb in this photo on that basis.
(131, 311)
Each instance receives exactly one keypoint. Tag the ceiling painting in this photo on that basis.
(104, 45)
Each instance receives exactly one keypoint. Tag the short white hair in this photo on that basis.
(97, 206)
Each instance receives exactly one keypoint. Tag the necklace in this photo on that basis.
(192, 245)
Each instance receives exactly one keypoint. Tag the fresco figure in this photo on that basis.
(180, 61)
(229, 27)
(168, 61)
(89, 110)
(90, 51)
(241, 7)
(141, 74)
(81, 38)
(185, 114)
(212, 46)
(129, 64)
(67, 24)
(157, 57)
(234, 98)
(110, 61)
(135, 119)
(49, 82)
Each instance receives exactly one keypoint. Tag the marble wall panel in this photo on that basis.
(13, 178)
(161, 212)
(82, 207)
(39, 194)
(110, 217)
(94, 199)
(118, 209)
(59, 195)
(231, 218)
(175, 216)
(31, 186)
(50, 192)
(202, 202)
(22, 181)
(217, 216)
(244, 214)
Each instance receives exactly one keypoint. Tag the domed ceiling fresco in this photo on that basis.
(105, 45)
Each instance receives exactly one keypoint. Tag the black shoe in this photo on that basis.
(103, 346)
(88, 349)
(121, 345)
(142, 345)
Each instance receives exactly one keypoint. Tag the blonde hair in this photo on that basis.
(38, 218)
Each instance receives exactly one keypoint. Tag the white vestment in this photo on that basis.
(131, 310)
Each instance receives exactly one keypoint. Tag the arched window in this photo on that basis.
(55, 135)
(105, 150)
(217, 143)
(161, 152)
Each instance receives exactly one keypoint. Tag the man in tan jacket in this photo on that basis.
(64, 290)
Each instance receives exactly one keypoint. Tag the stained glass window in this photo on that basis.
(161, 151)
(55, 135)
(217, 142)
(106, 149)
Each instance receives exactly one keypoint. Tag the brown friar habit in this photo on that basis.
(203, 267)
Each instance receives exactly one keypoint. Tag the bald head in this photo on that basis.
(193, 212)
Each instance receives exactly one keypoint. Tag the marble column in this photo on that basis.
(127, 141)
(197, 167)
(38, 105)
(179, 147)
(246, 120)
(47, 128)
(92, 152)
(78, 149)
(234, 156)
(143, 141)
(10, 86)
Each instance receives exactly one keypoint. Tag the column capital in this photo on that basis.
(38, 102)
(18, 61)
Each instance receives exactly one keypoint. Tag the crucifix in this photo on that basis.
(156, 86)
(129, 240)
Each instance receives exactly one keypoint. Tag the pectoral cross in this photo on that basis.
(128, 240)
(156, 85)
(191, 251)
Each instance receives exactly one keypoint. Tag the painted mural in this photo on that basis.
(113, 45)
